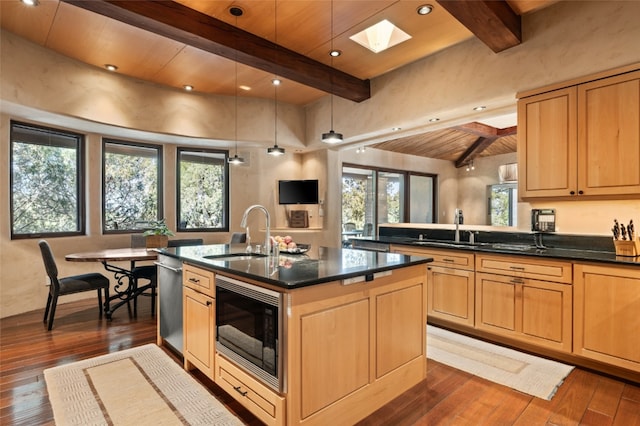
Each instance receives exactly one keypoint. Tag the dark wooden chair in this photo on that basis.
(69, 285)
(149, 272)
(238, 237)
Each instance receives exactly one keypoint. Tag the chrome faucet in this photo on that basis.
(458, 219)
(267, 238)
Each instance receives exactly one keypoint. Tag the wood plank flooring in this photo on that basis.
(446, 397)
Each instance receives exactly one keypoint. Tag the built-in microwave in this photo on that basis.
(249, 328)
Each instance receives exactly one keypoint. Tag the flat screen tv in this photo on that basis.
(298, 191)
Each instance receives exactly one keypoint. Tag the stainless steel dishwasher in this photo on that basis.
(170, 300)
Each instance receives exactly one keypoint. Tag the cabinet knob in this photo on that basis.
(572, 193)
(580, 192)
(209, 302)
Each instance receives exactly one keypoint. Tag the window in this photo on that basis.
(131, 177)
(47, 195)
(503, 205)
(373, 196)
(203, 190)
(421, 198)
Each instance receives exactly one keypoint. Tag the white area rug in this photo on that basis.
(527, 373)
(138, 386)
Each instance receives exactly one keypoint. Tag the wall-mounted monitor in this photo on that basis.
(298, 191)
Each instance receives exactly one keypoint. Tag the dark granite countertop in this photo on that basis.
(567, 247)
(290, 271)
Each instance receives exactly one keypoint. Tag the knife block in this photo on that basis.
(627, 247)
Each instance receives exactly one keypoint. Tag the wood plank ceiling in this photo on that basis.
(198, 42)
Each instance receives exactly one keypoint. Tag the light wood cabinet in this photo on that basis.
(609, 136)
(353, 348)
(582, 140)
(264, 403)
(199, 333)
(450, 284)
(512, 301)
(606, 321)
(547, 144)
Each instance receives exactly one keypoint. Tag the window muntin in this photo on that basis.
(47, 192)
(131, 185)
(203, 190)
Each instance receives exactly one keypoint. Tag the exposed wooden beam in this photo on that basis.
(486, 131)
(474, 150)
(492, 21)
(185, 25)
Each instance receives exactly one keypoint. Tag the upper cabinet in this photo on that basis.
(582, 140)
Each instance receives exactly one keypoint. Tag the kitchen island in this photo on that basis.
(351, 329)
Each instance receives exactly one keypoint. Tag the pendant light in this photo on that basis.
(331, 136)
(275, 150)
(236, 11)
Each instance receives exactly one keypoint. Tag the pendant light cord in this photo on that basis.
(331, 55)
(275, 86)
(236, 87)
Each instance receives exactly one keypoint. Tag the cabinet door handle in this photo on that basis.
(239, 390)
(448, 260)
(209, 303)
(194, 280)
(517, 268)
(517, 281)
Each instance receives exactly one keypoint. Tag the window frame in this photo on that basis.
(159, 177)
(80, 182)
(406, 192)
(227, 185)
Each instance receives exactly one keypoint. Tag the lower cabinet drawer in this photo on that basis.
(263, 402)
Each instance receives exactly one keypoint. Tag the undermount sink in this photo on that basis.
(234, 256)
(440, 243)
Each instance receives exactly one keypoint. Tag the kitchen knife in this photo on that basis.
(623, 231)
(630, 230)
(615, 229)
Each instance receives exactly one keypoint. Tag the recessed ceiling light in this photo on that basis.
(380, 36)
(111, 67)
(433, 120)
(30, 2)
(480, 108)
(236, 11)
(425, 9)
(395, 129)
(276, 82)
(188, 87)
(245, 88)
(335, 53)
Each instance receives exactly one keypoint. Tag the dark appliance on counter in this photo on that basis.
(249, 328)
(170, 300)
(543, 220)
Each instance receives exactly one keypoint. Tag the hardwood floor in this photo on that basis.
(448, 396)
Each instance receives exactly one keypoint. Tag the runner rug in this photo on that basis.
(138, 386)
(530, 374)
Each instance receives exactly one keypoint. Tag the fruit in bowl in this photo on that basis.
(286, 244)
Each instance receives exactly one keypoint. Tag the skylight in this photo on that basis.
(380, 36)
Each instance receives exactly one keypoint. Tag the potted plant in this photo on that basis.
(157, 235)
